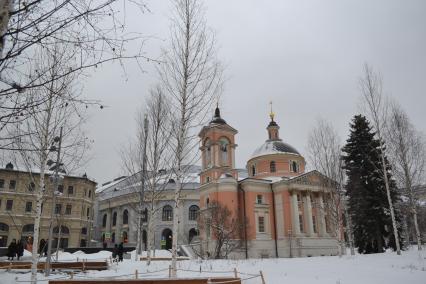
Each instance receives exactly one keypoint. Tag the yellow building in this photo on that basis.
(73, 216)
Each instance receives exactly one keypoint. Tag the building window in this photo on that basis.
(272, 167)
(28, 206)
(104, 221)
(294, 167)
(208, 154)
(90, 193)
(60, 188)
(207, 179)
(125, 217)
(4, 227)
(261, 222)
(167, 213)
(28, 229)
(1, 183)
(114, 218)
(9, 205)
(193, 212)
(301, 223)
(88, 212)
(70, 190)
(84, 231)
(58, 208)
(145, 215)
(224, 143)
(31, 186)
(253, 170)
(259, 199)
(12, 184)
(314, 223)
(68, 209)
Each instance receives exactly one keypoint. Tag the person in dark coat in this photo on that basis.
(120, 252)
(19, 249)
(41, 247)
(115, 253)
(46, 246)
(11, 250)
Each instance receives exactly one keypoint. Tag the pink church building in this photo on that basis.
(282, 205)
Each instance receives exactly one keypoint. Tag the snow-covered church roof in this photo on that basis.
(274, 147)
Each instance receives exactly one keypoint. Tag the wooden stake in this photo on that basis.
(170, 271)
(72, 275)
(84, 266)
(136, 274)
(261, 276)
(235, 272)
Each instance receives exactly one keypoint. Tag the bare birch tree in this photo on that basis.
(36, 136)
(94, 30)
(324, 148)
(408, 157)
(376, 108)
(192, 77)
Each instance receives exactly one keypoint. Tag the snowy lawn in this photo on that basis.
(389, 268)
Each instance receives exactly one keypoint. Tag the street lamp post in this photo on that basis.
(56, 180)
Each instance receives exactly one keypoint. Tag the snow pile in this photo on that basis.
(388, 268)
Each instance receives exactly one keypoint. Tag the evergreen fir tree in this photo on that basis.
(365, 189)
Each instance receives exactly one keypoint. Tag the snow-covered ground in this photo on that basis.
(389, 268)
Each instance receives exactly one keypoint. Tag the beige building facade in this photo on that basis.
(73, 218)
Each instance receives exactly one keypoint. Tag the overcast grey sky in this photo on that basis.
(305, 56)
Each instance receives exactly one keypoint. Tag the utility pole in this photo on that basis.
(55, 186)
(142, 189)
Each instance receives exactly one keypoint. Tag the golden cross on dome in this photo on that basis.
(271, 114)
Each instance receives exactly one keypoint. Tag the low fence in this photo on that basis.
(90, 250)
(156, 277)
(72, 265)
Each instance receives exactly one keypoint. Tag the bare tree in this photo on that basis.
(94, 31)
(36, 137)
(324, 147)
(376, 107)
(408, 157)
(192, 77)
(226, 230)
(152, 148)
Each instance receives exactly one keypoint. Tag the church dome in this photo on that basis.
(271, 147)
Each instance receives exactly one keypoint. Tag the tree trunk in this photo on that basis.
(391, 209)
(37, 221)
(349, 231)
(5, 7)
(176, 225)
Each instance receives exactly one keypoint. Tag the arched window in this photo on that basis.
(272, 167)
(167, 213)
(294, 167)
(224, 149)
(125, 217)
(28, 229)
(208, 153)
(104, 221)
(114, 218)
(4, 227)
(84, 231)
(64, 230)
(193, 212)
(253, 170)
(192, 233)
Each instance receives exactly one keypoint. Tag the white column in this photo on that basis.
(308, 215)
(321, 216)
(295, 213)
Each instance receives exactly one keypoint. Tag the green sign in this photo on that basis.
(163, 244)
(107, 236)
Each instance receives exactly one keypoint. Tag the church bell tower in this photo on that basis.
(217, 149)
